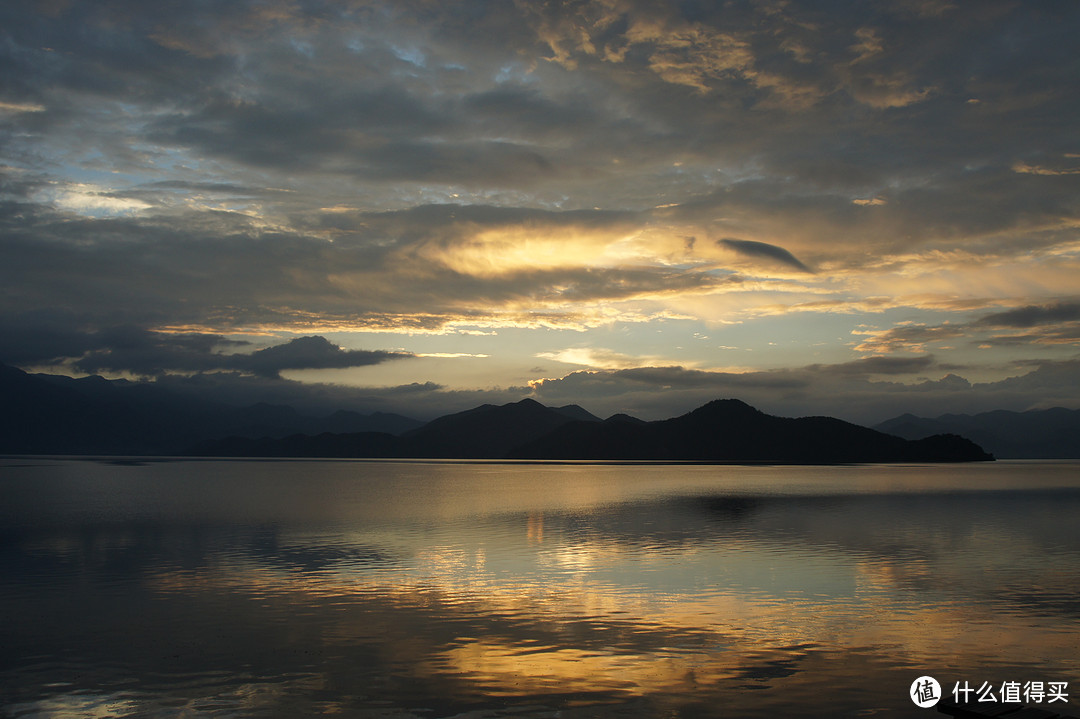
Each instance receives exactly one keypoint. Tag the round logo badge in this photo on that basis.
(925, 692)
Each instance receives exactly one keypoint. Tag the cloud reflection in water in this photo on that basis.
(714, 587)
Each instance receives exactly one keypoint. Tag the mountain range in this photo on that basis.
(1035, 434)
(731, 430)
(722, 430)
(52, 414)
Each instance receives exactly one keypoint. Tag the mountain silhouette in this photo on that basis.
(1036, 434)
(731, 430)
(723, 430)
(484, 432)
(489, 431)
(51, 414)
(54, 414)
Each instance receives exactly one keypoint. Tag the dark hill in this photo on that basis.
(40, 418)
(731, 430)
(347, 421)
(577, 412)
(488, 431)
(50, 414)
(54, 414)
(624, 418)
(1035, 434)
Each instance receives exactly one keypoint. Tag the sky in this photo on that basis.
(844, 208)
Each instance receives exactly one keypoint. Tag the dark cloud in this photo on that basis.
(409, 92)
(38, 339)
(141, 352)
(1033, 315)
(43, 338)
(881, 366)
(751, 248)
(309, 353)
(948, 383)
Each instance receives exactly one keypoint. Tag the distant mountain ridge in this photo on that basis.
(484, 432)
(1036, 434)
(722, 430)
(54, 414)
(50, 414)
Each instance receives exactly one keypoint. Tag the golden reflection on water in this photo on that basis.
(578, 594)
(578, 633)
(534, 530)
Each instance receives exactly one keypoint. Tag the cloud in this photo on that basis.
(309, 353)
(42, 339)
(426, 268)
(752, 248)
(21, 107)
(1033, 315)
(914, 337)
(1058, 166)
(599, 358)
(1054, 324)
(138, 351)
(881, 365)
(1067, 335)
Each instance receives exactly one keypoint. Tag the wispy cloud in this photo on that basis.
(600, 358)
(907, 337)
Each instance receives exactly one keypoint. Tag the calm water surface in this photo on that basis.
(383, 589)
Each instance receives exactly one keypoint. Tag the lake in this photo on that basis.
(206, 588)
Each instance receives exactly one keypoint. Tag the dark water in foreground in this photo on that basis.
(375, 589)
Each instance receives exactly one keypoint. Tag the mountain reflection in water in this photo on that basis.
(434, 589)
